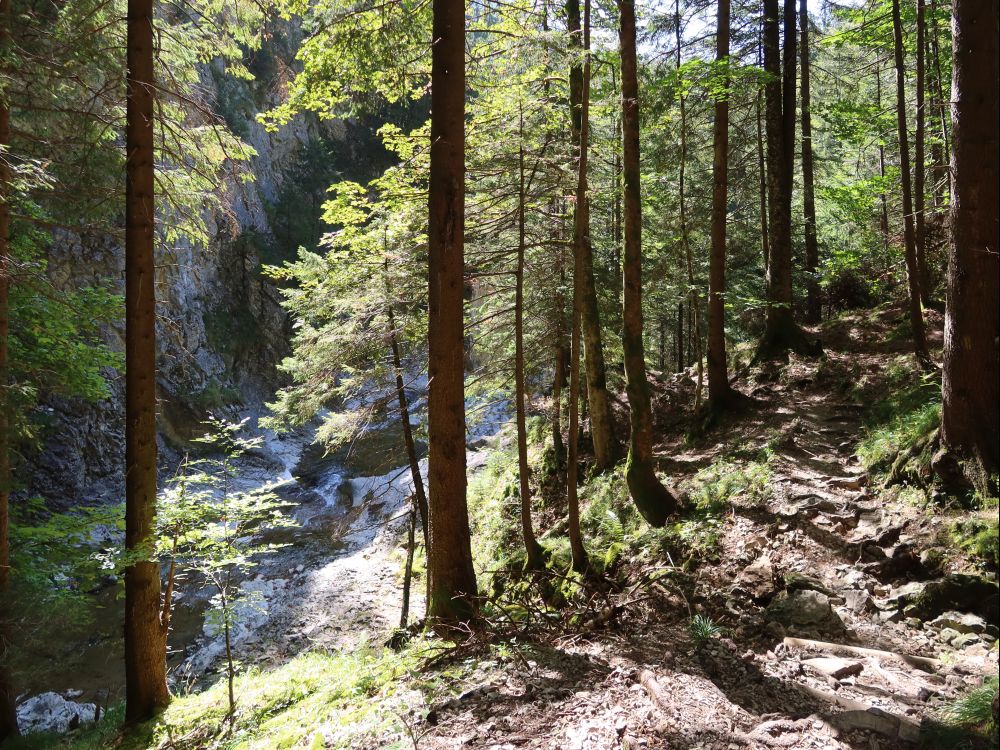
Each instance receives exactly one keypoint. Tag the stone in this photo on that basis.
(805, 611)
(948, 635)
(958, 592)
(50, 712)
(758, 578)
(858, 600)
(833, 667)
(963, 622)
(934, 560)
(964, 640)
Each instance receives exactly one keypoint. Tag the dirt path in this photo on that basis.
(825, 560)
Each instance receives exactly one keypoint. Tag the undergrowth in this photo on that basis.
(316, 700)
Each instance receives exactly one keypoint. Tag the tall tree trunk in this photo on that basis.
(718, 372)
(923, 272)
(909, 238)
(972, 323)
(577, 550)
(652, 499)
(694, 312)
(531, 547)
(943, 115)
(559, 374)
(145, 637)
(765, 245)
(883, 199)
(8, 711)
(679, 337)
(781, 332)
(601, 424)
(452, 582)
(813, 303)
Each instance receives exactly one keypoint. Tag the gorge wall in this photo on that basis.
(221, 329)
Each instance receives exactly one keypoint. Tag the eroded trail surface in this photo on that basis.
(843, 627)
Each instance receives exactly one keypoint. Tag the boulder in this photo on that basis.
(957, 592)
(804, 611)
(50, 712)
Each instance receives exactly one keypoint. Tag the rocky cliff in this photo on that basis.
(221, 330)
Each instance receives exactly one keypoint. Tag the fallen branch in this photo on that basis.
(857, 715)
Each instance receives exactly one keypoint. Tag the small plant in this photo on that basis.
(211, 527)
(703, 629)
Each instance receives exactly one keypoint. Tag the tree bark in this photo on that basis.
(883, 199)
(679, 336)
(577, 550)
(781, 332)
(601, 424)
(909, 236)
(452, 583)
(942, 113)
(652, 499)
(532, 549)
(694, 312)
(972, 323)
(923, 272)
(145, 638)
(813, 302)
(765, 245)
(718, 372)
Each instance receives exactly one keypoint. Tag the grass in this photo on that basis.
(323, 700)
(907, 408)
(703, 629)
(966, 722)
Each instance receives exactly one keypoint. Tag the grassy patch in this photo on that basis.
(316, 700)
(907, 408)
(966, 722)
(979, 537)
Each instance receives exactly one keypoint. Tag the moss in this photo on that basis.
(980, 538)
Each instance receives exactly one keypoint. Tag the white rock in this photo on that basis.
(50, 712)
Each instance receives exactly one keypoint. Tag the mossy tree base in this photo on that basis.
(654, 502)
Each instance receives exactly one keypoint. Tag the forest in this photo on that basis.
(499, 374)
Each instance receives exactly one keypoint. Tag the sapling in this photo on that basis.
(214, 528)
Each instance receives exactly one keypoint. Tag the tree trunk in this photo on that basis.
(577, 550)
(679, 337)
(652, 499)
(601, 424)
(813, 303)
(923, 272)
(532, 549)
(145, 638)
(941, 94)
(765, 244)
(404, 612)
(452, 582)
(781, 332)
(561, 356)
(909, 238)
(718, 372)
(404, 417)
(970, 385)
(883, 199)
(694, 313)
